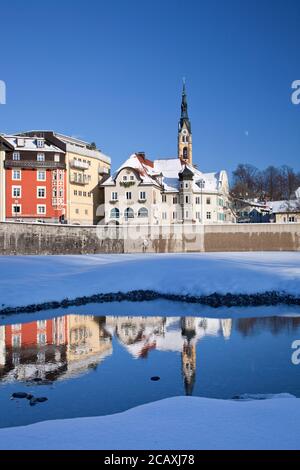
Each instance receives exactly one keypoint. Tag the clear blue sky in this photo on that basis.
(111, 71)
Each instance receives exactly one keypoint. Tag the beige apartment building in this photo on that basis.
(85, 167)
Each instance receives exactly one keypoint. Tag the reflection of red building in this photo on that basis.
(35, 179)
(36, 350)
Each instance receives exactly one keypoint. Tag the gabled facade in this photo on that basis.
(167, 191)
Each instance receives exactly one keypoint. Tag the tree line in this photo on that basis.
(270, 184)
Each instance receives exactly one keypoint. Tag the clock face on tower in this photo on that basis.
(184, 132)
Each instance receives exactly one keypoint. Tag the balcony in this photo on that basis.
(47, 165)
(81, 181)
(79, 165)
(103, 170)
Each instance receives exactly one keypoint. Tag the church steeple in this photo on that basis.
(184, 130)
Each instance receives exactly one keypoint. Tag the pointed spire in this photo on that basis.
(184, 118)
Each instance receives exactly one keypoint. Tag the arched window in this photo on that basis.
(129, 214)
(115, 213)
(143, 212)
(185, 153)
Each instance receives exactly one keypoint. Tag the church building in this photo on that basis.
(167, 191)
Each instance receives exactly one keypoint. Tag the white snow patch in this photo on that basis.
(174, 423)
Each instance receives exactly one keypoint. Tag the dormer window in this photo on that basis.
(131, 178)
(16, 156)
(40, 143)
(124, 178)
(40, 157)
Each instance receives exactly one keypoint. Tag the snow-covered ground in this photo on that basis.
(174, 423)
(34, 279)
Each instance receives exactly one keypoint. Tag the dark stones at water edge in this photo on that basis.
(32, 400)
(213, 300)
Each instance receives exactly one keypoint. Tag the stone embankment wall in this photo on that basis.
(33, 239)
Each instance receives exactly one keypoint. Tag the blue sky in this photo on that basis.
(111, 71)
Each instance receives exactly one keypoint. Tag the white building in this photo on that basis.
(167, 191)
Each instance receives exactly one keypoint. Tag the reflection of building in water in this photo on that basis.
(65, 346)
(188, 355)
(2, 347)
(139, 335)
(49, 349)
(226, 324)
(88, 343)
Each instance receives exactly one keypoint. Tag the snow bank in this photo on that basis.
(174, 423)
(35, 279)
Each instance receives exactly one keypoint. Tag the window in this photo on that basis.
(41, 338)
(208, 200)
(76, 211)
(114, 196)
(75, 192)
(174, 215)
(186, 214)
(56, 157)
(41, 192)
(128, 214)
(16, 209)
(128, 195)
(41, 175)
(16, 327)
(41, 209)
(89, 194)
(61, 175)
(143, 212)
(187, 199)
(16, 175)
(175, 200)
(79, 193)
(86, 212)
(208, 215)
(198, 215)
(115, 213)
(40, 157)
(16, 341)
(40, 143)
(41, 324)
(198, 200)
(16, 156)
(164, 198)
(131, 177)
(143, 195)
(54, 192)
(54, 176)
(186, 185)
(185, 153)
(164, 216)
(292, 218)
(124, 178)
(61, 192)
(16, 191)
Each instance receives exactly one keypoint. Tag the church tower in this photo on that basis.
(185, 146)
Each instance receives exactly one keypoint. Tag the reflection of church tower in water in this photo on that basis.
(188, 355)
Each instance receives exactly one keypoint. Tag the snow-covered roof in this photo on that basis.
(284, 206)
(142, 166)
(30, 144)
(149, 172)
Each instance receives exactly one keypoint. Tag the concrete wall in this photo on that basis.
(22, 238)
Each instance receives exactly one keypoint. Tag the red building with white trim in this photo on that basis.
(35, 179)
